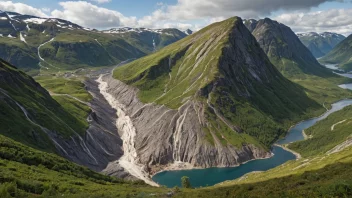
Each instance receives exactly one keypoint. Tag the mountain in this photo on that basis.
(341, 55)
(27, 41)
(210, 99)
(188, 32)
(320, 44)
(282, 45)
(79, 131)
(296, 62)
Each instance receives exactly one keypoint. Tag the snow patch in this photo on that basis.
(22, 38)
(35, 20)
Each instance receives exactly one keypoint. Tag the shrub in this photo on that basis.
(185, 182)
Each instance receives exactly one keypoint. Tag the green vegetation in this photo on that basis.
(185, 182)
(24, 92)
(326, 134)
(70, 93)
(74, 47)
(316, 176)
(60, 85)
(196, 69)
(296, 63)
(340, 55)
(324, 89)
(26, 172)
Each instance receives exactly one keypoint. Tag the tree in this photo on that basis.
(185, 182)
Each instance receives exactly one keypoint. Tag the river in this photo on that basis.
(211, 176)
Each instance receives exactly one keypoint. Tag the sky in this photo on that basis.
(300, 15)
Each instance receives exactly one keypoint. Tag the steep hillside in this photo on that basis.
(341, 55)
(318, 176)
(282, 46)
(22, 97)
(320, 44)
(75, 125)
(26, 172)
(59, 44)
(296, 62)
(327, 135)
(323, 170)
(204, 100)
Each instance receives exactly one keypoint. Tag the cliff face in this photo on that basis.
(165, 135)
(203, 100)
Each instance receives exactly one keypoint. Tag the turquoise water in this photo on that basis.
(211, 176)
(295, 133)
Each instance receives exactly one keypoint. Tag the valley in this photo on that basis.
(241, 107)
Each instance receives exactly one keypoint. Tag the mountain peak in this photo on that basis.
(188, 32)
(212, 79)
(320, 43)
(279, 42)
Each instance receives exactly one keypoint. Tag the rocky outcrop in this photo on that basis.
(164, 135)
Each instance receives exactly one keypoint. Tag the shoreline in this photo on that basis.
(298, 156)
(171, 168)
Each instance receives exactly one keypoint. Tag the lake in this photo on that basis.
(211, 176)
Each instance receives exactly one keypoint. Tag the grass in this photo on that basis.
(316, 176)
(77, 48)
(323, 89)
(150, 74)
(60, 85)
(26, 172)
(198, 66)
(41, 109)
(323, 138)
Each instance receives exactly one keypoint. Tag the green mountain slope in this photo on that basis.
(327, 134)
(320, 44)
(321, 176)
(223, 68)
(341, 55)
(24, 103)
(26, 172)
(59, 44)
(296, 62)
(324, 170)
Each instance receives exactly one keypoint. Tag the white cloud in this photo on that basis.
(216, 10)
(21, 8)
(334, 20)
(47, 10)
(102, 1)
(89, 15)
(195, 14)
(200, 9)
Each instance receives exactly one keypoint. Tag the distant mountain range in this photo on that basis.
(341, 55)
(31, 42)
(320, 44)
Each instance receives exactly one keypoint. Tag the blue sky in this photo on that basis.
(300, 15)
